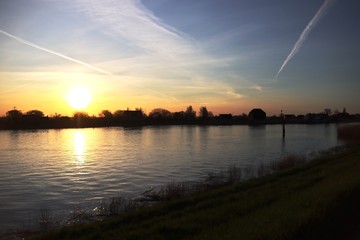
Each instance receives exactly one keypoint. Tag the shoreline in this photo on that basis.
(315, 193)
(177, 192)
(140, 125)
(348, 130)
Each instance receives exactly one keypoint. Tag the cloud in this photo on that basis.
(160, 51)
(257, 88)
(306, 33)
(158, 56)
(234, 94)
(154, 44)
(21, 40)
(33, 45)
(130, 20)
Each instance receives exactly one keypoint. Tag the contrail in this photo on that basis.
(54, 53)
(306, 32)
(72, 59)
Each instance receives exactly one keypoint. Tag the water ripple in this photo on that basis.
(58, 169)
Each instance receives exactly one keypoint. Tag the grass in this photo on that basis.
(318, 200)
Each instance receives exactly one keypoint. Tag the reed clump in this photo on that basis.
(288, 162)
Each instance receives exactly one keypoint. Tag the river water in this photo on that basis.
(62, 169)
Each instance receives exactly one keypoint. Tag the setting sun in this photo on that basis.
(79, 97)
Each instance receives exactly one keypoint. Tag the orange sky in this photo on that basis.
(167, 54)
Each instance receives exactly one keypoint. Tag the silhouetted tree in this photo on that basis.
(160, 113)
(81, 119)
(56, 115)
(106, 114)
(35, 113)
(14, 115)
(327, 111)
(179, 115)
(204, 112)
(190, 113)
(142, 112)
(81, 115)
(118, 114)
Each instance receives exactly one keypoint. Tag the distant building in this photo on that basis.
(342, 117)
(257, 114)
(316, 118)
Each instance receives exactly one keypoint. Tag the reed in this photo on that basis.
(288, 162)
(318, 200)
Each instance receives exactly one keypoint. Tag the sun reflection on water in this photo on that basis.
(79, 147)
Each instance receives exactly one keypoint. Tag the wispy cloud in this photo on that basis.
(100, 70)
(31, 44)
(160, 51)
(257, 88)
(234, 94)
(130, 20)
(322, 10)
(155, 43)
(160, 60)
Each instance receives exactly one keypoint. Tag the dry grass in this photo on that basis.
(315, 201)
(172, 190)
(288, 162)
(45, 219)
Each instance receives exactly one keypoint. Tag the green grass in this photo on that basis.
(316, 201)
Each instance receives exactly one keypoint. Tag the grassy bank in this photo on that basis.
(316, 201)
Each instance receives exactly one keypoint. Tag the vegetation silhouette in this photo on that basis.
(35, 119)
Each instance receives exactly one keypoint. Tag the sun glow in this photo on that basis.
(79, 97)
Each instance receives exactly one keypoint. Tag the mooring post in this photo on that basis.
(283, 123)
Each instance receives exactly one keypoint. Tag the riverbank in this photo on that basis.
(317, 200)
(82, 120)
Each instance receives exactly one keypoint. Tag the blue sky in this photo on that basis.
(223, 54)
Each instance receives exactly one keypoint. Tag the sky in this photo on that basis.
(228, 55)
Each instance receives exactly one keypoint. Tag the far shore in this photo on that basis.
(36, 119)
(67, 122)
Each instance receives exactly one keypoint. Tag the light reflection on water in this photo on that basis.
(59, 169)
(79, 147)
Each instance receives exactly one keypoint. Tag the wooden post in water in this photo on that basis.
(282, 115)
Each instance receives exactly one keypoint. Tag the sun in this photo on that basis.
(79, 97)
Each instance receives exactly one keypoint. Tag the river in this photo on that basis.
(62, 169)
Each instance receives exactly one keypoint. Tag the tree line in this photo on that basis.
(16, 119)
(36, 119)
